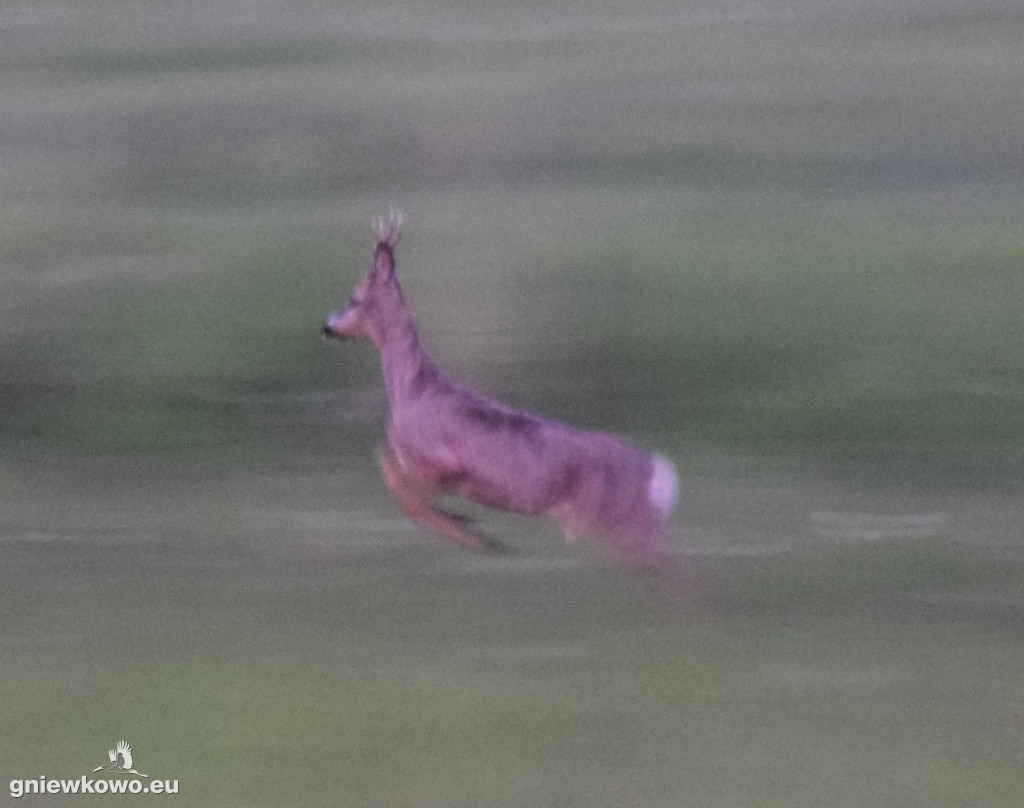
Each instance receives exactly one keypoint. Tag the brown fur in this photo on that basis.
(445, 439)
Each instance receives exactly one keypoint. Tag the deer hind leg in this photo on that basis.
(416, 501)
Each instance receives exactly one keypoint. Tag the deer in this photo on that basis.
(446, 440)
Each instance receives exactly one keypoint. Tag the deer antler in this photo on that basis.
(387, 231)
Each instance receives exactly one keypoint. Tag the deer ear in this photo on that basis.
(383, 263)
(386, 233)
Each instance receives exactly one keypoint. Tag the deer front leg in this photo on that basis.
(415, 500)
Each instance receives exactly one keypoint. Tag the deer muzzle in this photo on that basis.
(339, 325)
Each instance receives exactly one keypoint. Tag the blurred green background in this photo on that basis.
(779, 241)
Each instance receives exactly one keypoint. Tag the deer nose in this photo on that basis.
(328, 332)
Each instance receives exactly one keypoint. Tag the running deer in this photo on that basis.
(444, 439)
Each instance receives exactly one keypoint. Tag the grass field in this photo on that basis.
(779, 241)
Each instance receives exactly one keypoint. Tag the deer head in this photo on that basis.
(377, 301)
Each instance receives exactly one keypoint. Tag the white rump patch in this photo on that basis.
(663, 486)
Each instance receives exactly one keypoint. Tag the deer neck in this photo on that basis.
(408, 371)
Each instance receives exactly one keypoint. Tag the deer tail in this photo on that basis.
(663, 487)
